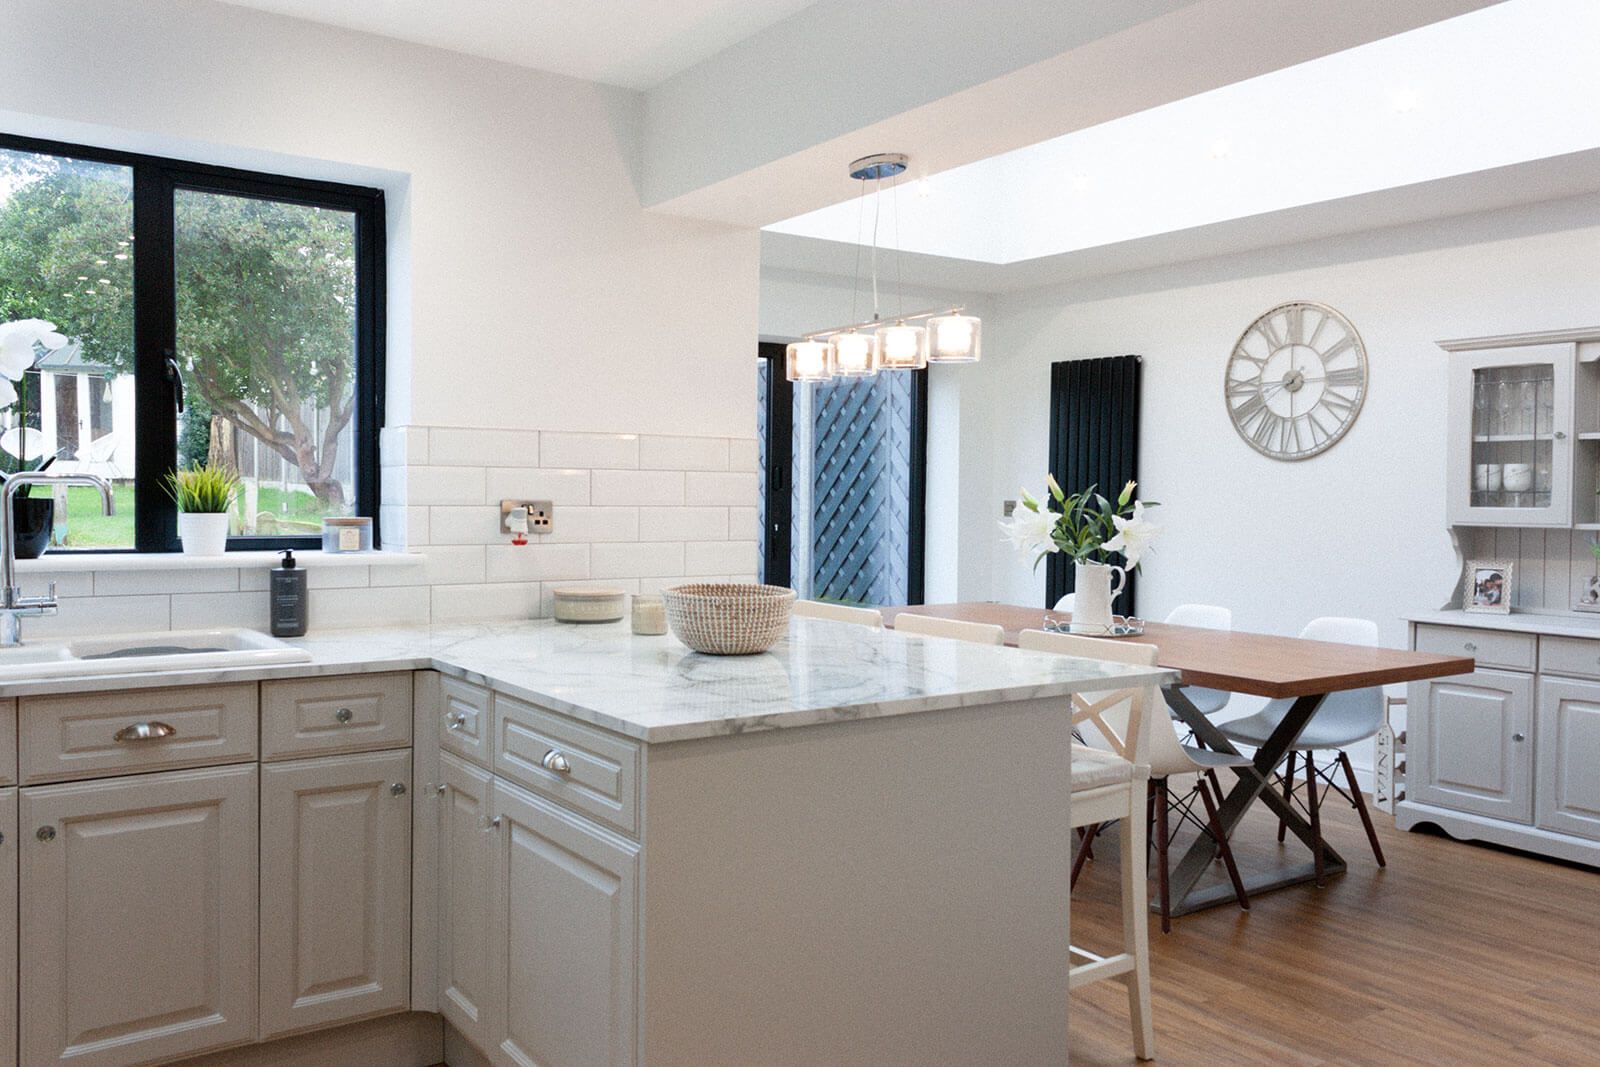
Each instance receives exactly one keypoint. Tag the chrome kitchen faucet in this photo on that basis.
(13, 605)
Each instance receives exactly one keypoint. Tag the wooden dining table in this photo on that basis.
(1287, 668)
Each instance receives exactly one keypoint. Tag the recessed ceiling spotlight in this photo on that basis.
(1403, 100)
(1221, 147)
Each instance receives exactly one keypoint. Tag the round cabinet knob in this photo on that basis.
(458, 720)
(1470, 647)
(343, 715)
(46, 833)
(398, 789)
(1518, 737)
(439, 789)
(1561, 435)
(555, 762)
(2, 837)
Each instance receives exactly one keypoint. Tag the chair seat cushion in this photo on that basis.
(1094, 768)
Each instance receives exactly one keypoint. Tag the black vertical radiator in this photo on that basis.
(1094, 440)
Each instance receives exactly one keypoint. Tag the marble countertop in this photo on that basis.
(1526, 622)
(655, 689)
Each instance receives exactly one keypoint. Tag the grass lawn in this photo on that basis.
(298, 512)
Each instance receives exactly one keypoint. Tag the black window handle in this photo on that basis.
(175, 378)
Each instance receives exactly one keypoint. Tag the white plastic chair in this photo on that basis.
(817, 609)
(1343, 719)
(981, 633)
(1162, 752)
(1111, 785)
(1209, 617)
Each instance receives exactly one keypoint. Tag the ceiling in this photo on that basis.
(1509, 84)
(636, 44)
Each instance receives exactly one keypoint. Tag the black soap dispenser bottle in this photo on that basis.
(288, 592)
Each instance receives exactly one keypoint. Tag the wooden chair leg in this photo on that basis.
(1136, 929)
(1223, 848)
(1163, 839)
(1088, 833)
(1288, 794)
(1361, 807)
(1316, 818)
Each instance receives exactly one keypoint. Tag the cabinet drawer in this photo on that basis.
(350, 713)
(1573, 656)
(8, 742)
(1491, 648)
(601, 770)
(96, 734)
(464, 726)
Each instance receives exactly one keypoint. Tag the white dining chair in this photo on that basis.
(1111, 785)
(1343, 719)
(1208, 617)
(1166, 757)
(981, 633)
(820, 609)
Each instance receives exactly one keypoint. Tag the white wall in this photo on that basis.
(529, 289)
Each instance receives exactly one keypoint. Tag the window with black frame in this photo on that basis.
(197, 315)
(843, 470)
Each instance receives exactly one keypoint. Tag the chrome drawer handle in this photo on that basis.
(342, 716)
(555, 763)
(1470, 647)
(458, 720)
(491, 825)
(145, 731)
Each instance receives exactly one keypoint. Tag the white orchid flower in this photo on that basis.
(1134, 535)
(17, 344)
(1030, 530)
(8, 393)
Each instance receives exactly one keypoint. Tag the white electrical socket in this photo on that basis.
(541, 515)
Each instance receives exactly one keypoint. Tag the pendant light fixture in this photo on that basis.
(908, 342)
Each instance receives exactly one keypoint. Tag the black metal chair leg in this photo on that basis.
(1361, 807)
(1316, 818)
(1223, 848)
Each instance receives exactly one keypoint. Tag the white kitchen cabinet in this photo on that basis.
(8, 928)
(336, 891)
(1510, 415)
(466, 869)
(8, 742)
(1568, 798)
(138, 917)
(563, 932)
(1470, 747)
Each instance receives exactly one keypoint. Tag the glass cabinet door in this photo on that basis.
(1511, 453)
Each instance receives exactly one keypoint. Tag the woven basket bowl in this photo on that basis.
(727, 619)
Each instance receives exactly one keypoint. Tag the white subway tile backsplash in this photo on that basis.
(744, 524)
(337, 609)
(68, 583)
(683, 524)
(731, 488)
(505, 600)
(478, 525)
(103, 615)
(649, 559)
(403, 527)
(140, 583)
(637, 487)
(594, 450)
(683, 453)
(440, 565)
(743, 454)
(587, 525)
(402, 446)
(194, 611)
(430, 486)
(258, 579)
(532, 562)
(458, 447)
(560, 487)
(719, 557)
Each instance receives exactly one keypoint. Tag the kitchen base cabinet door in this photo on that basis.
(1470, 745)
(1569, 757)
(466, 865)
(8, 928)
(335, 890)
(563, 937)
(138, 917)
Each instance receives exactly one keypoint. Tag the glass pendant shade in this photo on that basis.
(855, 354)
(808, 361)
(955, 338)
(902, 347)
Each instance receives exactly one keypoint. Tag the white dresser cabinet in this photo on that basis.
(1508, 754)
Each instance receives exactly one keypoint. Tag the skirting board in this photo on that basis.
(1466, 827)
(411, 1040)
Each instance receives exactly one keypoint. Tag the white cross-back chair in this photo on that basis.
(981, 633)
(818, 609)
(1110, 785)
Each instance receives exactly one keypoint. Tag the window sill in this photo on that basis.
(79, 562)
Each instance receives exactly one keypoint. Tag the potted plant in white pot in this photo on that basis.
(205, 496)
(1092, 531)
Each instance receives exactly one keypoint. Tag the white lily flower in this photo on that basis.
(8, 393)
(1134, 535)
(17, 344)
(1030, 530)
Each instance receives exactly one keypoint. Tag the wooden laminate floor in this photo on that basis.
(1456, 954)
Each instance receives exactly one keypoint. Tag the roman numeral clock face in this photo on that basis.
(1296, 381)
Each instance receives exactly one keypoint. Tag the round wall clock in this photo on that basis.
(1296, 380)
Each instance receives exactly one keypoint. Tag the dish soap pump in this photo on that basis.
(288, 593)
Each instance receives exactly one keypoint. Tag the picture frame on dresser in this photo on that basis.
(1587, 596)
(1488, 587)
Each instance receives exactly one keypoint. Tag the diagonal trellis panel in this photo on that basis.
(861, 489)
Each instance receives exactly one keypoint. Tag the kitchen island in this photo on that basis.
(852, 849)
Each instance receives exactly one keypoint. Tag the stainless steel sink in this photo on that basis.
(141, 653)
